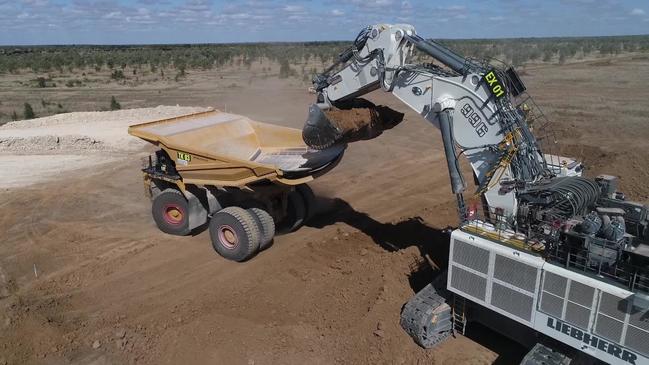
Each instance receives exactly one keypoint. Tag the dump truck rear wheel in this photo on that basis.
(295, 212)
(235, 233)
(170, 212)
(266, 226)
(309, 200)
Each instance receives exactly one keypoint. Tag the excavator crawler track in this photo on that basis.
(427, 318)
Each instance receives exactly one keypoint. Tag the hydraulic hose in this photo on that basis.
(449, 58)
(445, 125)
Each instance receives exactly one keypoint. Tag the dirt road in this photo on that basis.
(86, 278)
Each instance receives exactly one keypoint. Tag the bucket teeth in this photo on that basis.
(318, 132)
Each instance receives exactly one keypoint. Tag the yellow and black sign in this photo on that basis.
(184, 156)
(495, 84)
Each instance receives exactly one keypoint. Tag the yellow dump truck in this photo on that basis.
(240, 177)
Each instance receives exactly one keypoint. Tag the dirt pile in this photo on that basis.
(50, 143)
(37, 149)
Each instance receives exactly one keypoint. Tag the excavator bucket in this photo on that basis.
(319, 132)
(352, 121)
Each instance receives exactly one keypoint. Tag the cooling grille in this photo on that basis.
(516, 273)
(581, 294)
(512, 301)
(469, 283)
(555, 284)
(637, 339)
(609, 328)
(471, 256)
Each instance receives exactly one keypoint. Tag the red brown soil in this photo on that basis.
(363, 122)
(350, 119)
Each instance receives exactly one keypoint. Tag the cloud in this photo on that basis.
(235, 20)
(294, 8)
(373, 4)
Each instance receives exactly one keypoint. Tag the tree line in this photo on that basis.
(208, 56)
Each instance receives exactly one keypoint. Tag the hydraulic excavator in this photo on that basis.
(551, 259)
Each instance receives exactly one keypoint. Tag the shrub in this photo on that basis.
(284, 69)
(114, 105)
(117, 75)
(29, 112)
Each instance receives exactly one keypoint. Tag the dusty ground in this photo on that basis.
(85, 276)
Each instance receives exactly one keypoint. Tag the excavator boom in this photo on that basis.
(469, 102)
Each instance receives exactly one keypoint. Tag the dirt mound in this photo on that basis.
(132, 116)
(50, 143)
(78, 140)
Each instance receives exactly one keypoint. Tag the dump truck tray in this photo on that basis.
(223, 149)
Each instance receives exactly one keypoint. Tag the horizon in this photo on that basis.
(169, 22)
(575, 37)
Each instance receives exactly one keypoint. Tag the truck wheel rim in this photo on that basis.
(173, 214)
(228, 237)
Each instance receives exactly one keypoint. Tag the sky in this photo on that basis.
(24, 22)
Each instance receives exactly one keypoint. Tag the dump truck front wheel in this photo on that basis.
(170, 212)
(235, 233)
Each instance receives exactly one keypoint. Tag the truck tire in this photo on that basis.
(234, 233)
(309, 200)
(266, 227)
(295, 212)
(170, 212)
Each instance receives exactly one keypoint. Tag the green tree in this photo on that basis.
(29, 112)
(117, 75)
(562, 56)
(14, 115)
(114, 105)
(284, 69)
